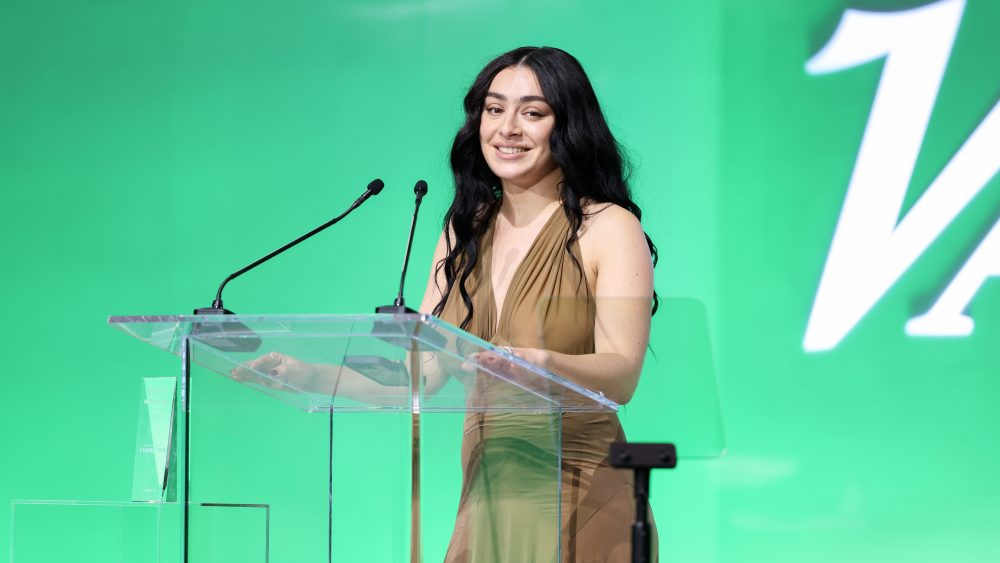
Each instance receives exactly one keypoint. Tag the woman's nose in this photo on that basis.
(510, 126)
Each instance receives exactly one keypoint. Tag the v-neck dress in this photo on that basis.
(511, 508)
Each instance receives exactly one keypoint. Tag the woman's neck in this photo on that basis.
(522, 205)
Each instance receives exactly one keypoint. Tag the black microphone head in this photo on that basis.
(375, 186)
(420, 189)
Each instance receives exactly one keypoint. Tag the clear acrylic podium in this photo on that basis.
(358, 455)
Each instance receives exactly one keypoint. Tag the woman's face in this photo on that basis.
(515, 128)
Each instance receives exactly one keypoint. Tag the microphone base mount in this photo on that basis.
(395, 310)
(213, 311)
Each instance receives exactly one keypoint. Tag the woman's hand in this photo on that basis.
(282, 371)
(499, 361)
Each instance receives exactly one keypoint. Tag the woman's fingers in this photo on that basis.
(273, 364)
(488, 360)
(267, 362)
(279, 371)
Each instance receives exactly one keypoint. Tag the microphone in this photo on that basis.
(374, 187)
(399, 306)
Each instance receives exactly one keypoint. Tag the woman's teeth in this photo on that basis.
(511, 150)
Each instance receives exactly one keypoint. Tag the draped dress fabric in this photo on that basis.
(511, 508)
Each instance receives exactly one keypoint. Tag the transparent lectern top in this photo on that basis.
(365, 362)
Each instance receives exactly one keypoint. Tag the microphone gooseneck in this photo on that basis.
(373, 188)
(399, 305)
(420, 190)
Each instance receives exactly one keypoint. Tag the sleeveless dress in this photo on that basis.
(511, 509)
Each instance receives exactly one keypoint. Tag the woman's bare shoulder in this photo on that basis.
(611, 236)
(610, 219)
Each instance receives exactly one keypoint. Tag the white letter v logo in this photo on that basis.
(870, 251)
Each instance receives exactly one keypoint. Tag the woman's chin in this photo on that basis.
(523, 177)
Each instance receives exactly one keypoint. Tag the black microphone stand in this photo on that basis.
(374, 187)
(234, 336)
(641, 458)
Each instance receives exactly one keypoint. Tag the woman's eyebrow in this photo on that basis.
(522, 100)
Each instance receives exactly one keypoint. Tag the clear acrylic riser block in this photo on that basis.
(48, 531)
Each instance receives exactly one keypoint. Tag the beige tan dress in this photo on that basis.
(508, 509)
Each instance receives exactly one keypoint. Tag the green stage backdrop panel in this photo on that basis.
(880, 446)
(148, 149)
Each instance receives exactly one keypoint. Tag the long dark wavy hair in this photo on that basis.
(594, 169)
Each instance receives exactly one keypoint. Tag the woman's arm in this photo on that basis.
(434, 372)
(616, 257)
(436, 279)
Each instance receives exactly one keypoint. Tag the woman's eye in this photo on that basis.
(494, 111)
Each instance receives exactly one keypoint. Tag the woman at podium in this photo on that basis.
(544, 253)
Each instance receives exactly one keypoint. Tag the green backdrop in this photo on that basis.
(147, 149)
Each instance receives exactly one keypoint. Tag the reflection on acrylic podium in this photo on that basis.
(357, 465)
